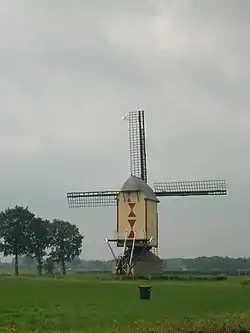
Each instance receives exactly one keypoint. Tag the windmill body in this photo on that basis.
(137, 213)
(137, 228)
(137, 206)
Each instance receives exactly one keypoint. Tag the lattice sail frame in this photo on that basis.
(92, 199)
(137, 145)
(191, 188)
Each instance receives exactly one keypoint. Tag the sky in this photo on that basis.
(70, 69)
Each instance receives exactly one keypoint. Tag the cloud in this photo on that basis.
(70, 70)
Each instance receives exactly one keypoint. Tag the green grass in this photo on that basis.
(91, 305)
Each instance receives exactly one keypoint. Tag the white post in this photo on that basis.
(125, 242)
(111, 250)
(132, 250)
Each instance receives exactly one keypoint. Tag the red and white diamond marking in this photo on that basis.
(131, 221)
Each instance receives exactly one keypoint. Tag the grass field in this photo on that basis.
(87, 304)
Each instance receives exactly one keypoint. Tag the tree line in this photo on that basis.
(22, 233)
(225, 265)
(217, 263)
(199, 266)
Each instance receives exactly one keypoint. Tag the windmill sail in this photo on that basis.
(92, 199)
(190, 188)
(137, 145)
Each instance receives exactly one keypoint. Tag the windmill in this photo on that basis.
(136, 206)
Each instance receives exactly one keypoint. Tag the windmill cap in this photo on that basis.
(135, 184)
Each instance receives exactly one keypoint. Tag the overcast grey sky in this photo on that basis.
(71, 68)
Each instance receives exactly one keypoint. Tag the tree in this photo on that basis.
(1, 245)
(66, 242)
(38, 240)
(13, 231)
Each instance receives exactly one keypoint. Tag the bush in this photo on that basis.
(245, 282)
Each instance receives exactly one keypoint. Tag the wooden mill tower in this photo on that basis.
(136, 203)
